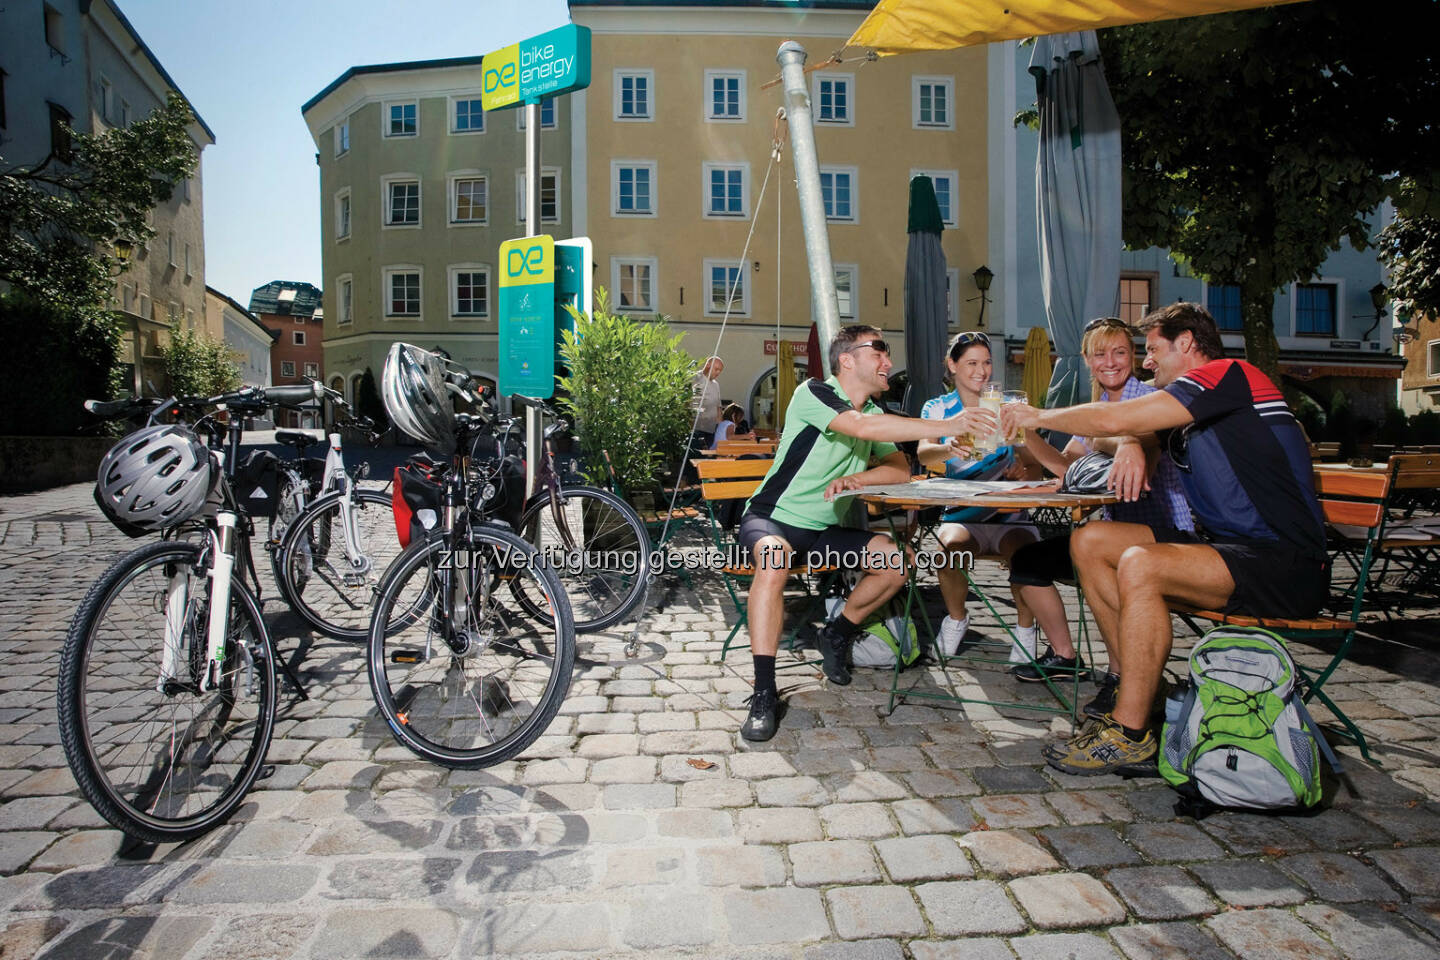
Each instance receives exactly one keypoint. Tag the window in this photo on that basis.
(188, 272)
(189, 319)
(312, 370)
(469, 291)
(932, 98)
(170, 248)
(124, 114)
(632, 94)
(173, 313)
(833, 98)
(945, 196)
(402, 119)
(467, 116)
(1432, 358)
(402, 291)
(469, 198)
(402, 201)
(837, 189)
(725, 279)
(633, 187)
(287, 368)
(346, 297)
(185, 188)
(1136, 296)
(847, 277)
(60, 132)
(633, 280)
(105, 99)
(725, 190)
(299, 338)
(55, 30)
(725, 95)
(145, 306)
(2, 99)
(1223, 302)
(342, 215)
(127, 297)
(547, 116)
(342, 137)
(1315, 309)
(952, 302)
(549, 195)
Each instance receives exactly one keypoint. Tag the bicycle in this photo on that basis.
(167, 691)
(461, 677)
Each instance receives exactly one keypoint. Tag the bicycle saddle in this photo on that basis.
(299, 438)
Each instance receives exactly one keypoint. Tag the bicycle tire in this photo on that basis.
(602, 593)
(108, 690)
(464, 711)
(313, 574)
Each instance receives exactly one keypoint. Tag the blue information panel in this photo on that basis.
(527, 317)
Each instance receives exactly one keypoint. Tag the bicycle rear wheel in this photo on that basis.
(463, 676)
(604, 574)
(156, 757)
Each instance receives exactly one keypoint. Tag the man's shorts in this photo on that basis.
(833, 546)
(985, 537)
(1271, 579)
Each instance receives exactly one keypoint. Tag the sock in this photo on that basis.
(842, 626)
(1027, 638)
(1133, 735)
(764, 673)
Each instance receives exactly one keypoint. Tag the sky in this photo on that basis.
(247, 66)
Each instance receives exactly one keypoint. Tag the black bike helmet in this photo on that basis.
(156, 478)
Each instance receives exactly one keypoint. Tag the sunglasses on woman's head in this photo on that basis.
(1115, 322)
(965, 340)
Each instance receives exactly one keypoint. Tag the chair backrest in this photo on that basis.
(730, 479)
(737, 447)
(1355, 498)
(1327, 451)
(1415, 471)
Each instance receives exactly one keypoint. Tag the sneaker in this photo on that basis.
(1050, 664)
(1104, 701)
(952, 634)
(1103, 749)
(765, 712)
(836, 653)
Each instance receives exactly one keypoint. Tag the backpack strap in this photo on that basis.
(1320, 740)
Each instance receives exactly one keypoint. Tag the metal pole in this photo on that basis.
(533, 425)
(812, 205)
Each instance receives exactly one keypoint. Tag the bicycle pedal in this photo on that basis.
(405, 656)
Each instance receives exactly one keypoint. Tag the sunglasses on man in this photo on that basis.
(879, 346)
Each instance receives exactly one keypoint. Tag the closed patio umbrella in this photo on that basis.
(1035, 376)
(785, 382)
(926, 316)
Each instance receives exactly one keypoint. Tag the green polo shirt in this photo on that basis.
(811, 456)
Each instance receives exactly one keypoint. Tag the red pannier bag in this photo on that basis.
(416, 499)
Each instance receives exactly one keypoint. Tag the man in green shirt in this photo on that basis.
(832, 434)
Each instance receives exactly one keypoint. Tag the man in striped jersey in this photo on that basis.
(1259, 546)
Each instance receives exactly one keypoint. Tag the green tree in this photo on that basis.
(199, 366)
(1410, 249)
(1255, 142)
(68, 360)
(368, 402)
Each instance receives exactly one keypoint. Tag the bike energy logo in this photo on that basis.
(527, 316)
(553, 62)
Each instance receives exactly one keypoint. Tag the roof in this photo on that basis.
(274, 334)
(720, 4)
(292, 297)
(388, 68)
(155, 62)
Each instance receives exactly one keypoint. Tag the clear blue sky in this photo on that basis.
(248, 65)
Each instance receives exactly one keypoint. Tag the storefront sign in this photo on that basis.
(527, 317)
(799, 348)
(550, 63)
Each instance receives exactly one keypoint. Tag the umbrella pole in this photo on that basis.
(812, 205)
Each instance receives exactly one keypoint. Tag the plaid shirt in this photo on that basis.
(1165, 505)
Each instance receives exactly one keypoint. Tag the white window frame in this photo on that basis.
(559, 195)
(554, 115)
(1432, 369)
(107, 99)
(344, 203)
(452, 196)
(853, 269)
(170, 248)
(342, 138)
(848, 79)
(708, 92)
(385, 274)
(854, 174)
(385, 119)
(705, 169)
(615, 167)
(949, 84)
(953, 218)
(145, 306)
(616, 264)
(620, 74)
(344, 312)
(394, 178)
(188, 271)
(454, 292)
(287, 368)
(124, 112)
(298, 337)
(452, 114)
(311, 369)
(1339, 284)
(952, 294)
(742, 309)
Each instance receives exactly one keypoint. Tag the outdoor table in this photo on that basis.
(1005, 497)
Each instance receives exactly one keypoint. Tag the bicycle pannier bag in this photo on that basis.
(416, 500)
(257, 483)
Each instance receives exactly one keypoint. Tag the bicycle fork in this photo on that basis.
(222, 564)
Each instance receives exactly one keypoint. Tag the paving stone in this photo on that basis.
(695, 824)
(525, 870)
(833, 861)
(23, 939)
(866, 785)
(134, 938)
(923, 858)
(642, 866)
(81, 850)
(1415, 869)
(1097, 846)
(1161, 893)
(638, 796)
(760, 766)
(971, 948)
(1361, 930)
(271, 839)
(689, 742)
(866, 821)
(969, 906)
(1250, 883)
(779, 825)
(1424, 914)
(540, 926)
(716, 793)
(605, 745)
(957, 755)
(32, 813)
(243, 882)
(361, 837)
(1009, 779)
(1417, 824)
(740, 866)
(941, 783)
(1153, 803)
(1334, 829)
(882, 911)
(1072, 946)
(606, 723)
(1168, 941)
(556, 770)
(103, 887)
(1012, 810)
(1338, 878)
(856, 950)
(389, 879)
(1269, 935)
(1067, 900)
(818, 763)
(791, 792)
(1172, 841)
(260, 937)
(342, 775)
(1090, 806)
(680, 920)
(18, 848)
(1008, 853)
(623, 770)
(783, 915)
(1250, 833)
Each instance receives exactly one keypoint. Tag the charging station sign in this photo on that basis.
(547, 64)
(527, 317)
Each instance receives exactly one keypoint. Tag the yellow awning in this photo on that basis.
(909, 26)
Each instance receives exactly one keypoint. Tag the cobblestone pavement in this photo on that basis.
(929, 833)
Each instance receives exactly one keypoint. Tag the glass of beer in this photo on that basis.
(991, 396)
(1015, 396)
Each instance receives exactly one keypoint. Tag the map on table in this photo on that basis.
(941, 489)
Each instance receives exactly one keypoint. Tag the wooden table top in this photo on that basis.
(940, 492)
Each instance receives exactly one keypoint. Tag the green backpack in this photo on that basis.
(1240, 736)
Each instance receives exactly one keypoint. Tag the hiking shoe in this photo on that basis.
(1050, 664)
(835, 650)
(1103, 749)
(1104, 701)
(765, 712)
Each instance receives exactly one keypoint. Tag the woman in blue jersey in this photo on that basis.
(970, 367)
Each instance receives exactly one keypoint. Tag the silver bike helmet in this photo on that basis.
(413, 388)
(155, 478)
(1089, 474)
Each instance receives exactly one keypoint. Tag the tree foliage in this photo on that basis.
(1254, 142)
(68, 360)
(196, 365)
(1410, 249)
(368, 402)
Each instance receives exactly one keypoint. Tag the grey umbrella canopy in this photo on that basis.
(925, 314)
(1077, 196)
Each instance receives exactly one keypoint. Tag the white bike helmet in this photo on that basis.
(155, 478)
(413, 388)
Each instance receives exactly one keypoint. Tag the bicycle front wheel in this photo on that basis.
(157, 757)
(320, 574)
(602, 563)
(463, 676)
